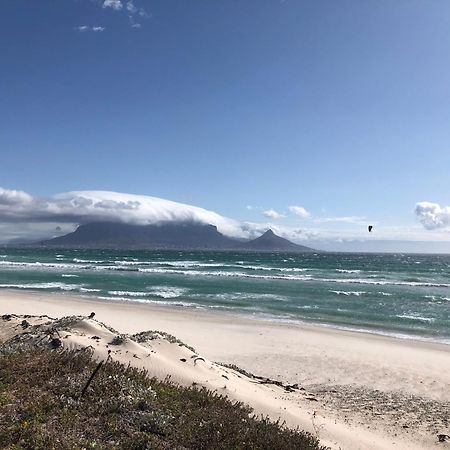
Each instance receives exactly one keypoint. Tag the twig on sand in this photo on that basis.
(317, 428)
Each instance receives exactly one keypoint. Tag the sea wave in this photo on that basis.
(413, 317)
(153, 291)
(62, 286)
(348, 270)
(177, 268)
(356, 293)
(89, 261)
(156, 302)
(42, 265)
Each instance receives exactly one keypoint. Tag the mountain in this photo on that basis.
(170, 236)
(270, 242)
(126, 236)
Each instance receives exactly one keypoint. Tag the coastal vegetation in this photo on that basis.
(41, 406)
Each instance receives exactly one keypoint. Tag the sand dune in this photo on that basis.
(342, 394)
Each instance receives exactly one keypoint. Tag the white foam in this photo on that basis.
(69, 275)
(167, 291)
(89, 261)
(62, 286)
(348, 270)
(156, 302)
(357, 293)
(412, 317)
(128, 293)
(40, 265)
(82, 289)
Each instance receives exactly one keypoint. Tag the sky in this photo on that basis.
(315, 118)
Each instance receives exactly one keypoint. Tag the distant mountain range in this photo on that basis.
(170, 236)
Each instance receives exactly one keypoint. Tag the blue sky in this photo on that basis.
(342, 108)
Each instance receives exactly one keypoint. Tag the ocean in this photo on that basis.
(404, 295)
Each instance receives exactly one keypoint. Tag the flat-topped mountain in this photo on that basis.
(170, 236)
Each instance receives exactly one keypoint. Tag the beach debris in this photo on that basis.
(91, 315)
(183, 359)
(97, 338)
(443, 437)
(7, 317)
(25, 324)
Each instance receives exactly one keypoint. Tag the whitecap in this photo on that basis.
(413, 317)
(357, 293)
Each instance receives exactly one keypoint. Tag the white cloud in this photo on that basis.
(432, 215)
(131, 8)
(11, 197)
(114, 4)
(85, 28)
(299, 211)
(89, 206)
(272, 214)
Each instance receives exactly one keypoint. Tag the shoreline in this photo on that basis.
(385, 391)
(219, 315)
(176, 308)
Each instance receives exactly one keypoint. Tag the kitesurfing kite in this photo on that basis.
(370, 228)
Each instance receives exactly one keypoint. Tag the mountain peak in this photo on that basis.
(168, 236)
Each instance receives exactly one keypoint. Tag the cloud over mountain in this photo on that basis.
(90, 206)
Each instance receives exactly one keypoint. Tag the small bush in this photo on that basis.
(118, 340)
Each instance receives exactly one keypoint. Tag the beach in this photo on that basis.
(357, 390)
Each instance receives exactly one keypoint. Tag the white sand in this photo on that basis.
(361, 391)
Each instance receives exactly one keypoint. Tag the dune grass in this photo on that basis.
(121, 409)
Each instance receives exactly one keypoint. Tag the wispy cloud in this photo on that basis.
(114, 4)
(357, 220)
(272, 214)
(432, 215)
(134, 12)
(299, 211)
(86, 28)
(132, 8)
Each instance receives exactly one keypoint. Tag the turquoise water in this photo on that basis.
(404, 295)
